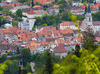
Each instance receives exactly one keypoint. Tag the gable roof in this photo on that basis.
(66, 31)
(65, 23)
(96, 23)
(37, 6)
(60, 48)
(31, 12)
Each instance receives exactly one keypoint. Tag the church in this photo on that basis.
(87, 22)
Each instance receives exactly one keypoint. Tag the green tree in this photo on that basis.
(77, 49)
(49, 63)
(33, 28)
(32, 3)
(37, 3)
(3, 67)
(26, 55)
(15, 23)
(28, 67)
(5, 11)
(1, 8)
(19, 13)
(12, 66)
(85, 9)
(80, 17)
(96, 16)
(22, 70)
(45, 24)
(84, 3)
(89, 40)
(45, 6)
(85, 64)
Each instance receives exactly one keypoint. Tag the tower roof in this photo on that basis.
(60, 48)
(89, 10)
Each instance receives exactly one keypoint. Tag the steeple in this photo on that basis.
(89, 10)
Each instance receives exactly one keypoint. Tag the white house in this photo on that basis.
(26, 24)
(67, 24)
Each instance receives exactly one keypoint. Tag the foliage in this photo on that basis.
(45, 6)
(84, 3)
(26, 55)
(1, 8)
(32, 3)
(19, 13)
(5, 11)
(53, 19)
(80, 17)
(12, 66)
(66, 16)
(3, 67)
(49, 63)
(40, 61)
(47, 19)
(3, 20)
(85, 9)
(86, 64)
(22, 70)
(33, 28)
(14, 23)
(37, 3)
(28, 67)
(77, 49)
(96, 16)
(89, 40)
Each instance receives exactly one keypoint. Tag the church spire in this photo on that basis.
(89, 10)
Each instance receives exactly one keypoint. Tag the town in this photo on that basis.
(39, 25)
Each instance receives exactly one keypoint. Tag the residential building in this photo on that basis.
(14, 9)
(67, 24)
(26, 24)
(53, 10)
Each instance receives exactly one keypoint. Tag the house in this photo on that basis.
(43, 1)
(10, 6)
(96, 1)
(13, 49)
(67, 24)
(26, 24)
(14, 9)
(67, 33)
(78, 12)
(60, 50)
(96, 25)
(12, 37)
(53, 10)
(31, 14)
(37, 8)
(32, 49)
(77, 4)
(8, 25)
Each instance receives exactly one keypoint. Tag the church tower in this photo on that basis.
(88, 17)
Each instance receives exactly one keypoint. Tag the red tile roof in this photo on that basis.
(43, 1)
(68, 31)
(31, 12)
(65, 23)
(55, 6)
(37, 6)
(60, 48)
(95, 5)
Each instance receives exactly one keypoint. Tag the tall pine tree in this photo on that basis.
(32, 3)
(49, 63)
